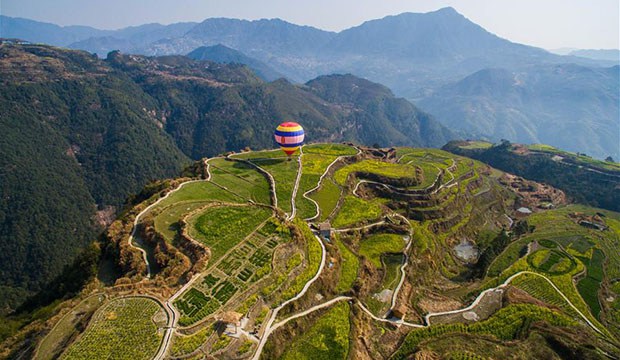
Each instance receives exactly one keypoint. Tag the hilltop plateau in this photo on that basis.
(343, 250)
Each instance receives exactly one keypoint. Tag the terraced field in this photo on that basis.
(232, 275)
(241, 179)
(125, 328)
(308, 292)
(328, 338)
(222, 227)
(283, 170)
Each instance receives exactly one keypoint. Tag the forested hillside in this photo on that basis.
(80, 134)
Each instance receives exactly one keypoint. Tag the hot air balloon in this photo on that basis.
(290, 136)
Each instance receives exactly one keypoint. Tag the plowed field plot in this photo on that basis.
(231, 276)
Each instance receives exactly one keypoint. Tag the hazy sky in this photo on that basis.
(545, 23)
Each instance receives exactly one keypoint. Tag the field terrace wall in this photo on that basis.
(127, 259)
(172, 263)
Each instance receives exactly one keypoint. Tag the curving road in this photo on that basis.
(269, 326)
(132, 236)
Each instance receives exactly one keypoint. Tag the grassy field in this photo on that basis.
(166, 223)
(327, 198)
(355, 210)
(586, 160)
(315, 160)
(221, 228)
(284, 172)
(330, 149)
(389, 170)
(197, 190)
(240, 178)
(553, 262)
(327, 339)
(373, 246)
(348, 267)
(305, 207)
(121, 329)
(477, 145)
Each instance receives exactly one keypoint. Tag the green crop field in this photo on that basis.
(348, 267)
(197, 190)
(241, 179)
(166, 223)
(182, 345)
(542, 290)
(221, 228)
(305, 207)
(373, 246)
(327, 339)
(590, 285)
(327, 197)
(315, 160)
(355, 210)
(330, 149)
(376, 167)
(313, 262)
(506, 324)
(258, 155)
(284, 172)
(121, 329)
(249, 262)
(552, 262)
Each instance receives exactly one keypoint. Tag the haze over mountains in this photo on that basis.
(423, 57)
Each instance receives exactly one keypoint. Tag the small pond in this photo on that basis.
(466, 251)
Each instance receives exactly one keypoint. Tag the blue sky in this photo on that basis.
(545, 23)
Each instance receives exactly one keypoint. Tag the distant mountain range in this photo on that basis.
(595, 54)
(80, 134)
(222, 54)
(565, 105)
(440, 59)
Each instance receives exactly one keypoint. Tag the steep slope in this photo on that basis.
(75, 135)
(222, 54)
(207, 117)
(386, 120)
(567, 106)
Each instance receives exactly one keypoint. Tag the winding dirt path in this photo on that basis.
(269, 325)
(132, 236)
(318, 185)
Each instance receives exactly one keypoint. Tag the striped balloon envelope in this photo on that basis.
(290, 136)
